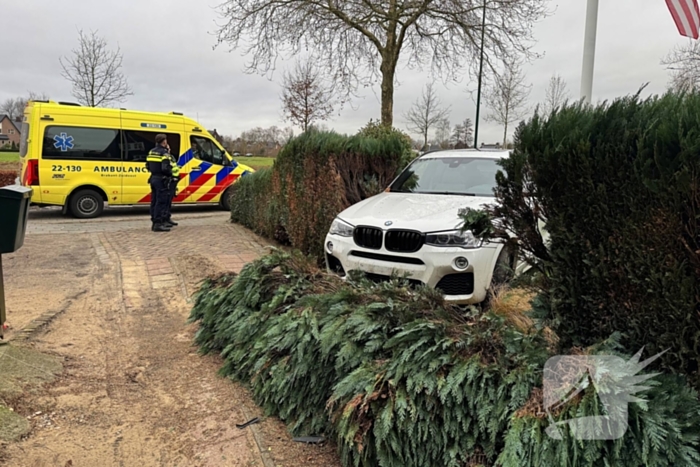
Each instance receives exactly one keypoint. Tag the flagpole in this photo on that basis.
(481, 70)
(589, 51)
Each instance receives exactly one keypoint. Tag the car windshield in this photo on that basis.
(449, 176)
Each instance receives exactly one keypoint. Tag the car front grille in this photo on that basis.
(368, 237)
(404, 241)
(457, 284)
(378, 278)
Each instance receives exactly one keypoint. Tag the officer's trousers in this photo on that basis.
(171, 196)
(160, 199)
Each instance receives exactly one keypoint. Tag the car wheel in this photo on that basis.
(503, 271)
(86, 204)
(227, 199)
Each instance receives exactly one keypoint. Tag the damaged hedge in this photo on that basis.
(395, 377)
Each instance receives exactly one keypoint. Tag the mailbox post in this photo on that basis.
(14, 210)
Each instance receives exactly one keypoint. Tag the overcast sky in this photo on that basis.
(171, 64)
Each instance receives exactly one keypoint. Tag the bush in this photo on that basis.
(398, 378)
(618, 187)
(8, 177)
(662, 432)
(315, 177)
(255, 207)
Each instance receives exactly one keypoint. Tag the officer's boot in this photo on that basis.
(161, 228)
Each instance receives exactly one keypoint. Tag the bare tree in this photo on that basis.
(359, 41)
(95, 72)
(443, 131)
(507, 98)
(306, 97)
(14, 107)
(556, 94)
(463, 135)
(426, 113)
(684, 64)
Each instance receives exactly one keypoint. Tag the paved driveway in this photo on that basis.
(134, 390)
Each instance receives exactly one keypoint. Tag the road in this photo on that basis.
(134, 390)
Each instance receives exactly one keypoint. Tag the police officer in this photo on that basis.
(159, 165)
(175, 170)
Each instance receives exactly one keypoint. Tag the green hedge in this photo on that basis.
(399, 378)
(315, 177)
(619, 188)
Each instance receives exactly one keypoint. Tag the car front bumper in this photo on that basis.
(432, 266)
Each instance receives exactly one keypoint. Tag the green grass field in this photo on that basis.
(9, 156)
(256, 162)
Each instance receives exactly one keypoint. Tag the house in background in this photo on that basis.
(9, 132)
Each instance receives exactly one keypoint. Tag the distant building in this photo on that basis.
(491, 146)
(9, 132)
(217, 136)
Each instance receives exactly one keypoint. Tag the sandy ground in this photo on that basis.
(133, 390)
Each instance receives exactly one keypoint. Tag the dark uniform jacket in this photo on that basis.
(158, 162)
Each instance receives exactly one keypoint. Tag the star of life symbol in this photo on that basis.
(63, 142)
(615, 381)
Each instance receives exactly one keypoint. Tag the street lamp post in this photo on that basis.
(481, 70)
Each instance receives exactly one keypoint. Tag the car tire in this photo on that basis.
(226, 199)
(503, 270)
(86, 204)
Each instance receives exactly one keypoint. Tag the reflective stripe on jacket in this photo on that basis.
(158, 162)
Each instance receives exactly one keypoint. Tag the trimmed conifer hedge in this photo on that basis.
(315, 177)
(399, 378)
(618, 186)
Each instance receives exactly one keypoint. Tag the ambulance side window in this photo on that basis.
(137, 144)
(75, 143)
(205, 150)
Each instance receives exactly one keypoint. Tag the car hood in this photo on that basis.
(425, 213)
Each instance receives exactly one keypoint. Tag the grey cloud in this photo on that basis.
(168, 58)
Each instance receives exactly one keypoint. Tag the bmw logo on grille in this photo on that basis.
(388, 223)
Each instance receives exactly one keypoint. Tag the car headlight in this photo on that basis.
(453, 238)
(342, 228)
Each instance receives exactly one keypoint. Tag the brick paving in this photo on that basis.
(147, 260)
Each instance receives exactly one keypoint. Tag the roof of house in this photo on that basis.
(3, 117)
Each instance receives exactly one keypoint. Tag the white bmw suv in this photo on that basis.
(413, 228)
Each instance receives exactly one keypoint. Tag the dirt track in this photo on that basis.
(134, 392)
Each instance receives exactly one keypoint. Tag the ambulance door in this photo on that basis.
(137, 145)
(210, 171)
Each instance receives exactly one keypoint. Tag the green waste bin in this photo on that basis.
(14, 210)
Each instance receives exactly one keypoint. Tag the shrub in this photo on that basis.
(255, 207)
(7, 177)
(315, 177)
(399, 378)
(618, 187)
(407, 380)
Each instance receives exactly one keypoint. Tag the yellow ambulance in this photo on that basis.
(82, 158)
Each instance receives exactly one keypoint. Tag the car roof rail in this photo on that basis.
(69, 103)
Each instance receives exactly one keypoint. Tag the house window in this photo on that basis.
(12, 132)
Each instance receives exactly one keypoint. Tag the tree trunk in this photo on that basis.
(505, 134)
(388, 69)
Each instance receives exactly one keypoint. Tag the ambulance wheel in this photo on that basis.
(86, 204)
(226, 199)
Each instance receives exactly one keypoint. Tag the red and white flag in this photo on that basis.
(686, 14)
